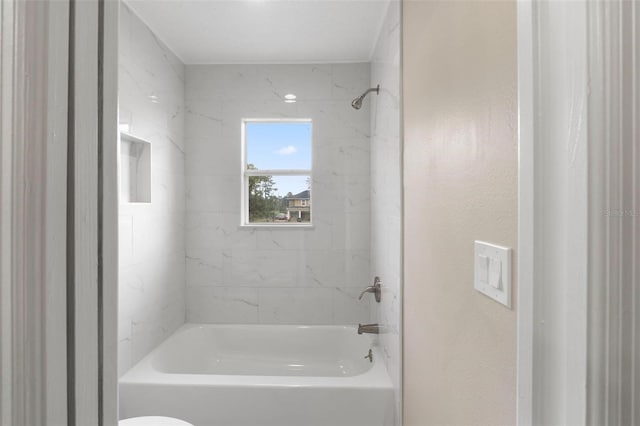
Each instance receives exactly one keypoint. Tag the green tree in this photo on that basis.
(263, 201)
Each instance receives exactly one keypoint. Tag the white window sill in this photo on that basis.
(274, 226)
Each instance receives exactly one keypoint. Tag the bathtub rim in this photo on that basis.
(143, 372)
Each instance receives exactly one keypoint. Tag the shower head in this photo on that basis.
(357, 102)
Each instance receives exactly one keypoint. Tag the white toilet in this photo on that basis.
(153, 421)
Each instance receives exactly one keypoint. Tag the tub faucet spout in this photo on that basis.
(368, 328)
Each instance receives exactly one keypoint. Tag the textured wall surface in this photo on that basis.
(152, 270)
(460, 122)
(261, 275)
(386, 192)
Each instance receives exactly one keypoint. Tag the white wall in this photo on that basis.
(152, 267)
(386, 193)
(300, 276)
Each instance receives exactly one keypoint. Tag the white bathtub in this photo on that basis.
(261, 375)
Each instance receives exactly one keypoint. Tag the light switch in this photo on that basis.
(492, 272)
(495, 272)
(483, 271)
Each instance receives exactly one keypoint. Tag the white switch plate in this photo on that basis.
(492, 271)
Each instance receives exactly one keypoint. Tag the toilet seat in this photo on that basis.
(153, 421)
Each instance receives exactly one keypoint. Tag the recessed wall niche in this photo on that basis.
(135, 169)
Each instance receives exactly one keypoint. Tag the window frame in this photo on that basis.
(245, 174)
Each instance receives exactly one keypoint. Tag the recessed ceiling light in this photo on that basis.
(289, 101)
(290, 97)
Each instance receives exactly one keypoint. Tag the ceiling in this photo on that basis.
(265, 31)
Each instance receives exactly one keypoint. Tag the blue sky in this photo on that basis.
(279, 145)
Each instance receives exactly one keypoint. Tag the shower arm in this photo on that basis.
(373, 89)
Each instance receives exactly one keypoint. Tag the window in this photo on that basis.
(276, 172)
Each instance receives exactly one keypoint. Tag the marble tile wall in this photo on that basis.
(254, 275)
(152, 253)
(386, 194)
